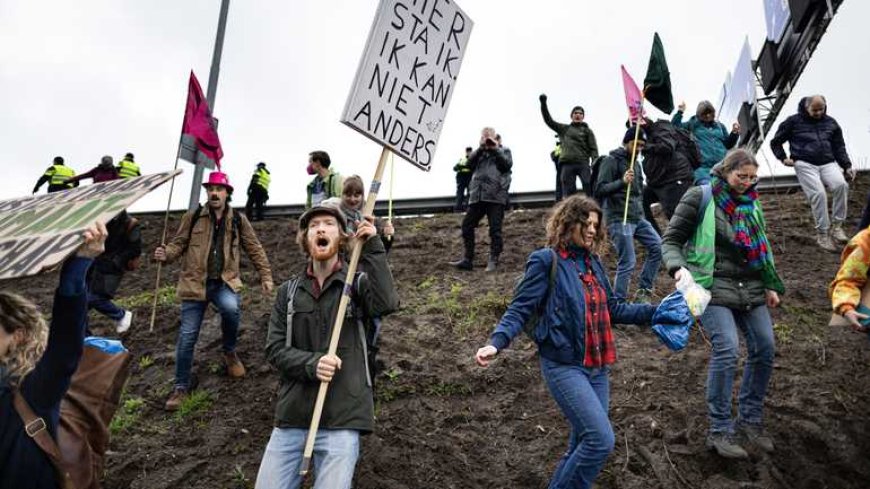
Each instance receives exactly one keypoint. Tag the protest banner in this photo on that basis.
(39, 232)
(406, 76)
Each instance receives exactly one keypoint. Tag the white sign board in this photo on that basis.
(39, 232)
(407, 75)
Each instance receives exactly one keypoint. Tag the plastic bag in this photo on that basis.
(673, 320)
(105, 345)
(697, 297)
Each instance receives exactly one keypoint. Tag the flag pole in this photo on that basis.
(633, 152)
(163, 236)
(339, 317)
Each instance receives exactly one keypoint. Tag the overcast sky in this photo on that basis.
(84, 79)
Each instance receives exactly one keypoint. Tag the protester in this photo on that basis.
(258, 192)
(728, 253)
(313, 296)
(104, 172)
(57, 176)
(555, 155)
(574, 336)
(127, 167)
(123, 247)
(351, 205)
(326, 183)
(670, 157)
(818, 155)
(488, 194)
(578, 148)
(615, 178)
(712, 137)
(38, 362)
(209, 240)
(847, 289)
(463, 178)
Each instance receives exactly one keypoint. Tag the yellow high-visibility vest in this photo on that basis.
(263, 178)
(128, 169)
(59, 175)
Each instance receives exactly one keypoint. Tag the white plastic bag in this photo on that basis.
(697, 297)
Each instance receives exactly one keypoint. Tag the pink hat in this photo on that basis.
(219, 178)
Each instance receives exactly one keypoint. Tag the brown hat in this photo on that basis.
(323, 208)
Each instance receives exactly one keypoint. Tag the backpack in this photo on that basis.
(532, 322)
(596, 166)
(237, 222)
(133, 263)
(687, 146)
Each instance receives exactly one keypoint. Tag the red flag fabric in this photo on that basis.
(199, 124)
(633, 97)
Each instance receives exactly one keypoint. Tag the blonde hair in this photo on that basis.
(567, 214)
(20, 316)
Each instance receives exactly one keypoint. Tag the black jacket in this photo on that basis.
(123, 244)
(491, 175)
(667, 156)
(816, 141)
(610, 188)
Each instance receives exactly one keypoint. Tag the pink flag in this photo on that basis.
(633, 98)
(199, 124)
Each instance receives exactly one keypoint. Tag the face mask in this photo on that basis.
(310, 169)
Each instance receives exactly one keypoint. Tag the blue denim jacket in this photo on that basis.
(561, 329)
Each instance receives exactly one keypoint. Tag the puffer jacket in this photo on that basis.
(194, 266)
(123, 244)
(665, 160)
(713, 138)
(610, 189)
(734, 285)
(490, 178)
(578, 140)
(561, 330)
(815, 141)
(349, 401)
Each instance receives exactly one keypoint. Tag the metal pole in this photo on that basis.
(210, 94)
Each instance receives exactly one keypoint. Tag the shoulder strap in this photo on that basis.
(37, 430)
(706, 196)
(193, 220)
(292, 287)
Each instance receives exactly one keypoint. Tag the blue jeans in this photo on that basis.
(227, 303)
(104, 305)
(583, 396)
(623, 240)
(335, 455)
(721, 325)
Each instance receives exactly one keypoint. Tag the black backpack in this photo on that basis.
(596, 166)
(687, 146)
(532, 322)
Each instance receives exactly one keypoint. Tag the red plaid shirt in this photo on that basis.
(599, 348)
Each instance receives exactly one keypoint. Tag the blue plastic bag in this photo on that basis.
(106, 345)
(672, 321)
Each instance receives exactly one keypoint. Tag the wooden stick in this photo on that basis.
(339, 317)
(633, 153)
(163, 240)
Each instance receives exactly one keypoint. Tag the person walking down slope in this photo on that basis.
(258, 192)
(579, 148)
(123, 248)
(57, 176)
(712, 137)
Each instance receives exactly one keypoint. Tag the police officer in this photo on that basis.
(127, 168)
(463, 178)
(258, 191)
(57, 175)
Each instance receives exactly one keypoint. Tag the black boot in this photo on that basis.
(463, 264)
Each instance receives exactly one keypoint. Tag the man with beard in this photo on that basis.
(297, 343)
(209, 241)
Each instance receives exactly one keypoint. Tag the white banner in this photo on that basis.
(407, 75)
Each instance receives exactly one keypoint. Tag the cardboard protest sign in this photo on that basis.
(39, 232)
(406, 76)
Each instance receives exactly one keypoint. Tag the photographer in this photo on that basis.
(488, 193)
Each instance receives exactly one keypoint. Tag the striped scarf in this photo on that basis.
(748, 232)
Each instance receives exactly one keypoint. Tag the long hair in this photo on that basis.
(20, 316)
(567, 214)
(734, 160)
(353, 185)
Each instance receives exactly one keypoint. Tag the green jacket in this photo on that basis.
(578, 140)
(734, 285)
(610, 189)
(349, 401)
(333, 188)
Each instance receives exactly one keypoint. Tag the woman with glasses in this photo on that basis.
(717, 236)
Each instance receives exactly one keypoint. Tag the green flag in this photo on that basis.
(657, 83)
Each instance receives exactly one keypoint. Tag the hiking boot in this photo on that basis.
(123, 324)
(175, 399)
(463, 264)
(642, 296)
(725, 445)
(235, 369)
(825, 243)
(837, 234)
(755, 434)
(492, 264)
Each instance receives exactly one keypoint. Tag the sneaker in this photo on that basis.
(235, 369)
(725, 445)
(123, 324)
(837, 234)
(755, 434)
(463, 264)
(825, 243)
(642, 296)
(491, 265)
(175, 399)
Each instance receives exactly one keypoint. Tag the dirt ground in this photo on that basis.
(442, 422)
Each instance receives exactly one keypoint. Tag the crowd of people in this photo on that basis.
(716, 236)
